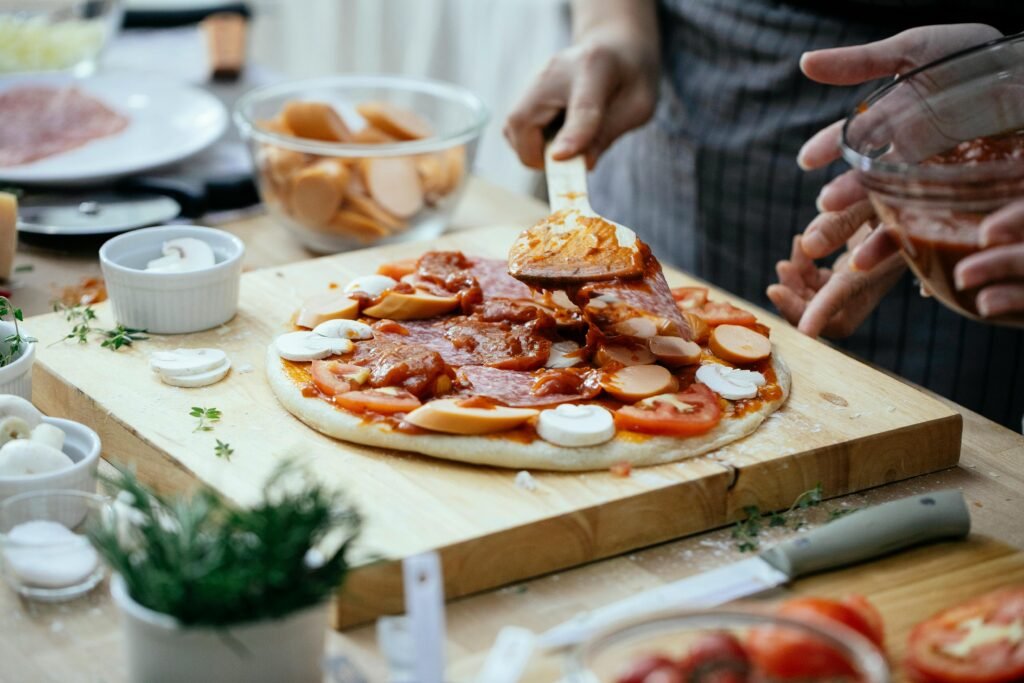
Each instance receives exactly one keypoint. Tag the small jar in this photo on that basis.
(938, 150)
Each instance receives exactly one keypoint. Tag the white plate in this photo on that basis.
(168, 122)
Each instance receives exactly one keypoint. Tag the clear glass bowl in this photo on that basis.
(604, 657)
(441, 161)
(56, 35)
(42, 561)
(934, 210)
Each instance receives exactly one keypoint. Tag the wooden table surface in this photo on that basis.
(80, 641)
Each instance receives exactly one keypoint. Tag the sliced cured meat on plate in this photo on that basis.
(99, 128)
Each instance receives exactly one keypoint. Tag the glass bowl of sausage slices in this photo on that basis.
(939, 149)
(733, 645)
(345, 162)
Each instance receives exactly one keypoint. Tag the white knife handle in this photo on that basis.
(876, 531)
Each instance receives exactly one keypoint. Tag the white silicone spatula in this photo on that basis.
(574, 245)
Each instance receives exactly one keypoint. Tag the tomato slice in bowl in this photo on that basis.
(724, 313)
(786, 653)
(979, 641)
(690, 412)
(386, 401)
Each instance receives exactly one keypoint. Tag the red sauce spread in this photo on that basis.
(494, 353)
(88, 291)
(1007, 146)
(410, 367)
(390, 327)
(771, 391)
(549, 256)
(935, 241)
(560, 381)
(605, 304)
(481, 402)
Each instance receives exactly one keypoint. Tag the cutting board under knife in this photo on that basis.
(846, 426)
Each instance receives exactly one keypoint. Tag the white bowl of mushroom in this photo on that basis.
(39, 452)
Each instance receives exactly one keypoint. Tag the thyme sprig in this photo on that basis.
(748, 529)
(223, 450)
(12, 343)
(204, 418)
(82, 318)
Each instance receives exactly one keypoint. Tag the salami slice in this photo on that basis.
(496, 283)
(607, 303)
(463, 340)
(39, 122)
(529, 389)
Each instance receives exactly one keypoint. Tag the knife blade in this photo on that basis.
(858, 537)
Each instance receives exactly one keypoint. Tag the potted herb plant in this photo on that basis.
(213, 592)
(17, 352)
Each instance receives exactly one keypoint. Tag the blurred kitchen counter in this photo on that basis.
(42, 274)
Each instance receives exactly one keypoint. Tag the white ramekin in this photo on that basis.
(171, 303)
(16, 378)
(82, 445)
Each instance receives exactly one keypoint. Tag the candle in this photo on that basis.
(48, 555)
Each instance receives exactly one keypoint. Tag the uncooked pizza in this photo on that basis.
(449, 356)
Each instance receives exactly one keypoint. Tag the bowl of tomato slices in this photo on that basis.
(736, 645)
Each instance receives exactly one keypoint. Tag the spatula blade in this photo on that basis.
(570, 247)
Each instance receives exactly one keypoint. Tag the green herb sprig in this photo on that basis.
(223, 450)
(747, 530)
(82, 318)
(204, 418)
(207, 563)
(12, 343)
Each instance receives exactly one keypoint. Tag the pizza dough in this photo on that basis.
(499, 451)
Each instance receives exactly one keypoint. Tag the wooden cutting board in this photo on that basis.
(845, 426)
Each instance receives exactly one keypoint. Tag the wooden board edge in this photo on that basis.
(513, 555)
(121, 445)
(852, 466)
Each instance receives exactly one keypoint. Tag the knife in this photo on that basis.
(858, 537)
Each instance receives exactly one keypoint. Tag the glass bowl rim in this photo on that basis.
(94, 500)
(41, 493)
(869, 658)
(862, 163)
(440, 89)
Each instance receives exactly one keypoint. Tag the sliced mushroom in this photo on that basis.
(48, 434)
(25, 457)
(12, 428)
(19, 407)
(183, 255)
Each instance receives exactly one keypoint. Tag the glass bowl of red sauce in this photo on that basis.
(938, 149)
(734, 645)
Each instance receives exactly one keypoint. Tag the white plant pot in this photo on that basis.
(161, 649)
(16, 378)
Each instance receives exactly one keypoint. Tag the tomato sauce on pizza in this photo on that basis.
(628, 361)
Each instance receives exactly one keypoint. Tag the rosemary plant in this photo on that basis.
(207, 563)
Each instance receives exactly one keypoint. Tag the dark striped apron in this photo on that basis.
(712, 183)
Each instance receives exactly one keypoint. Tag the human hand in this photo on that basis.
(861, 63)
(999, 268)
(607, 84)
(835, 301)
